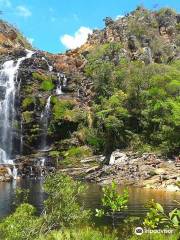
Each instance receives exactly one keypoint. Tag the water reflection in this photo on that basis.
(92, 198)
(7, 194)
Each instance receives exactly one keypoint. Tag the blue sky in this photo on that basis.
(55, 25)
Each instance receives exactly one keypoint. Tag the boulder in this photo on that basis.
(118, 158)
(172, 188)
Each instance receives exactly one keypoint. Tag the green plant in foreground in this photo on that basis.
(112, 201)
(78, 234)
(157, 217)
(62, 208)
(21, 196)
(23, 224)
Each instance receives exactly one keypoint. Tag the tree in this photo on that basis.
(61, 207)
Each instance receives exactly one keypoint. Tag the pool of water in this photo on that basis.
(138, 197)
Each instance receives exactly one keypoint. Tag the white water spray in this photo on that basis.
(44, 120)
(8, 82)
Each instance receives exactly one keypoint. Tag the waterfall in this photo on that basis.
(43, 162)
(8, 85)
(59, 85)
(44, 121)
(21, 136)
(14, 172)
(49, 66)
(62, 82)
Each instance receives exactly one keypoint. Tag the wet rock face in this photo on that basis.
(34, 166)
(37, 80)
(2, 92)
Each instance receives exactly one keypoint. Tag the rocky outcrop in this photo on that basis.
(146, 170)
(144, 35)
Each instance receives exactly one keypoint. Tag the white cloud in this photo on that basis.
(119, 17)
(30, 40)
(23, 11)
(79, 38)
(5, 3)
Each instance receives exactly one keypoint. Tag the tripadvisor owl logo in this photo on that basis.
(139, 231)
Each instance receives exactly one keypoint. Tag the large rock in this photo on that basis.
(118, 158)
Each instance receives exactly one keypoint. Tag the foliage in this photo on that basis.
(156, 236)
(91, 137)
(21, 196)
(28, 103)
(46, 81)
(27, 116)
(78, 234)
(47, 86)
(41, 76)
(157, 217)
(75, 154)
(61, 108)
(21, 225)
(111, 117)
(166, 11)
(62, 208)
(54, 154)
(112, 201)
(135, 101)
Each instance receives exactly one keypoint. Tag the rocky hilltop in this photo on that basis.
(144, 35)
(120, 90)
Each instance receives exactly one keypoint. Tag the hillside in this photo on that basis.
(120, 90)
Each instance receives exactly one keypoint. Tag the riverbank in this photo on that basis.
(146, 170)
(127, 168)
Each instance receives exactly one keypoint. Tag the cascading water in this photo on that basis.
(62, 82)
(49, 66)
(8, 84)
(44, 120)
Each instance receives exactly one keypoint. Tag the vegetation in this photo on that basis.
(75, 154)
(79, 234)
(65, 218)
(135, 104)
(21, 225)
(61, 207)
(28, 103)
(112, 201)
(27, 116)
(46, 81)
(157, 217)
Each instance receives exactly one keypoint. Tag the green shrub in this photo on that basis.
(28, 103)
(61, 108)
(46, 81)
(75, 154)
(62, 208)
(91, 137)
(41, 77)
(155, 236)
(27, 116)
(79, 234)
(21, 225)
(47, 85)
